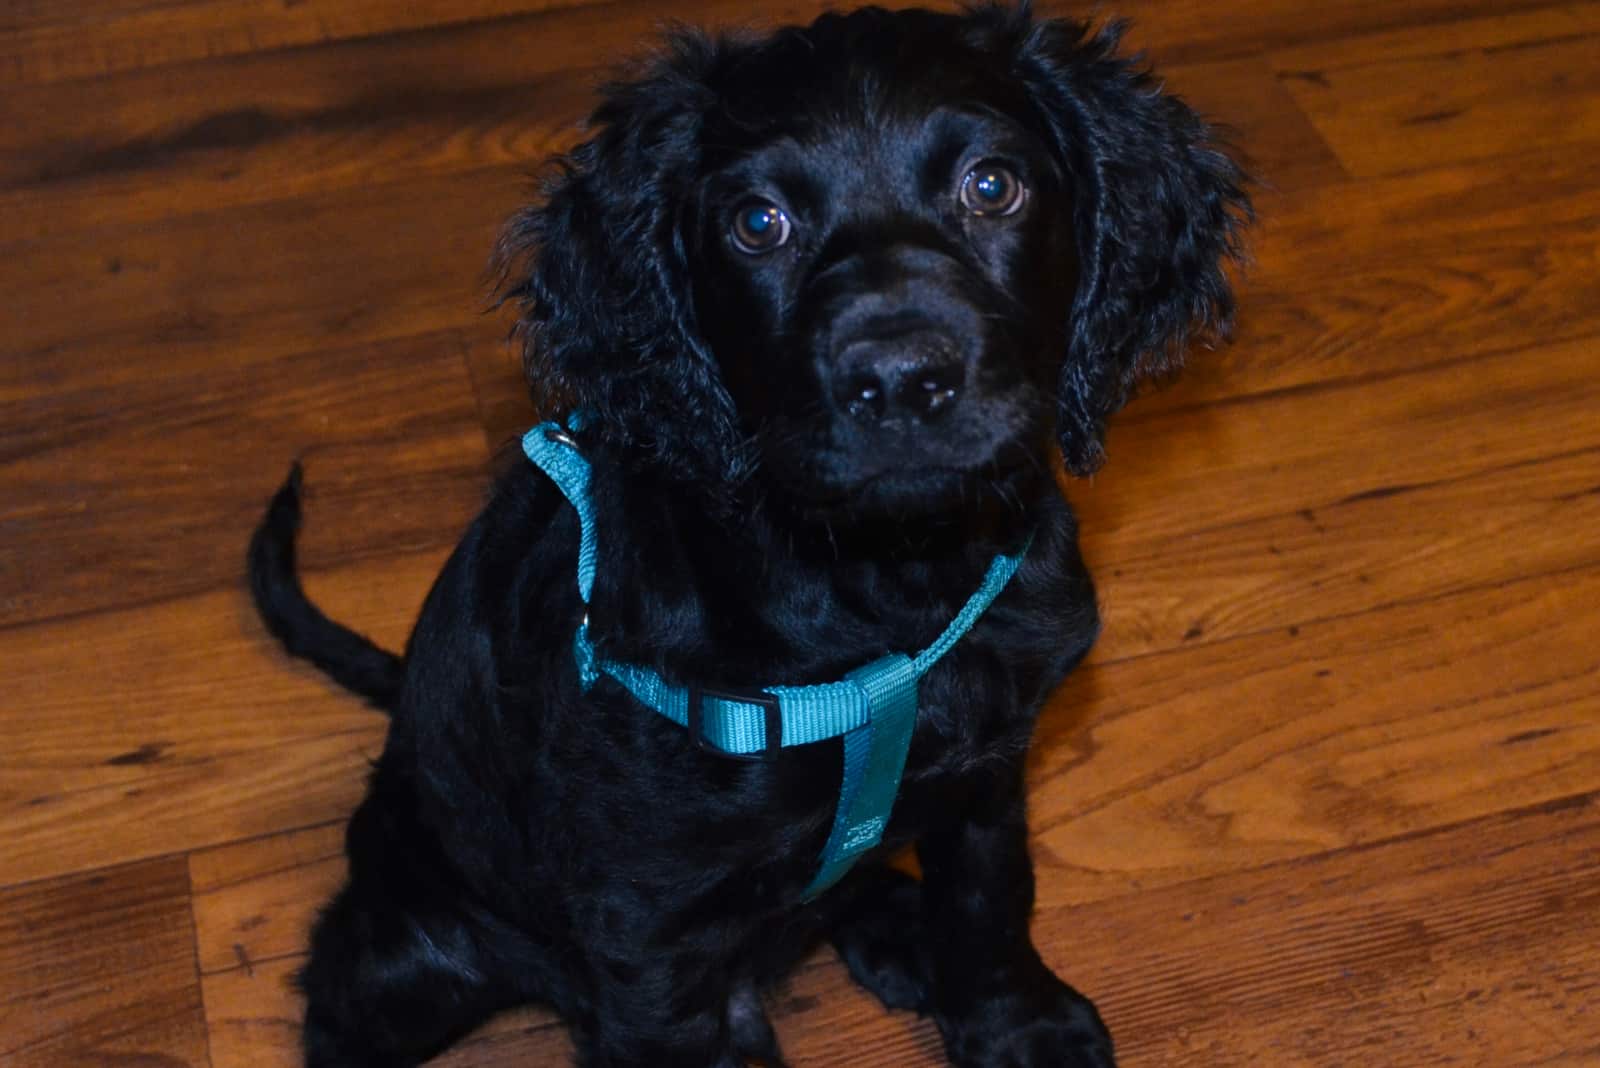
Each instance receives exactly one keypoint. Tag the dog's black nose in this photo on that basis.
(917, 374)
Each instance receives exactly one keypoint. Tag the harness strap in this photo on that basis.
(874, 707)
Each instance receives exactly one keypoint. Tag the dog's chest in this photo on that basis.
(718, 615)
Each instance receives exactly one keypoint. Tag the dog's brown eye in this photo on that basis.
(759, 226)
(992, 189)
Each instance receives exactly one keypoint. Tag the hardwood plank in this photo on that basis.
(1375, 277)
(50, 51)
(505, 408)
(244, 130)
(1490, 87)
(99, 970)
(1176, 473)
(254, 1018)
(51, 43)
(48, 42)
(1262, 121)
(254, 901)
(1185, 31)
(240, 131)
(177, 725)
(333, 271)
(1457, 947)
(1466, 946)
(1382, 546)
(1214, 522)
(1494, 28)
(1290, 743)
(247, 129)
(124, 485)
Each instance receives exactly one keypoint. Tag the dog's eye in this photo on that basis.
(992, 189)
(759, 226)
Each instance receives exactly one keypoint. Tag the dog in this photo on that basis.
(820, 315)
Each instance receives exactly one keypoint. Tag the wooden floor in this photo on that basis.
(1328, 792)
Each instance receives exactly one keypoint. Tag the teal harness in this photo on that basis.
(874, 707)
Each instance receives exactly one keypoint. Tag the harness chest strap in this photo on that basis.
(874, 708)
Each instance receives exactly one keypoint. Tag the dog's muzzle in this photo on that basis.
(913, 374)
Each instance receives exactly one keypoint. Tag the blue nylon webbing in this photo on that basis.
(874, 707)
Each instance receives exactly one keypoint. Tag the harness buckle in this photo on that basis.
(560, 436)
(767, 702)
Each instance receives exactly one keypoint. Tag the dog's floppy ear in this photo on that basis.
(1160, 207)
(598, 270)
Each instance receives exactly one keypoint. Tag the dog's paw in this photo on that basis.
(880, 937)
(1048, 1026)
(1046, 1043)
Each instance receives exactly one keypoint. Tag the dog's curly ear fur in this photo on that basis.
(1160, 210)
(598, 270)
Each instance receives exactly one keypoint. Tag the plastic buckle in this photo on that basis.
(559, 435)
(768, 703)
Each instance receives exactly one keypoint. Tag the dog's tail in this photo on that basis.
(352, 660)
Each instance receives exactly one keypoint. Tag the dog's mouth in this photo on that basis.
(932, 489)
(919, 490)
(989, 448)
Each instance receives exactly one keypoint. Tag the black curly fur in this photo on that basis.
(803, 459)
(1164, 210)
(602, 277)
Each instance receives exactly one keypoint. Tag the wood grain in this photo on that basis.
(1430, 950)
(1387, 106)
(505, 407)
(1383, 491)
(1290, 743)
(328, 271)
(98, 970)
(46, 41)
(1183, 31)
(178, 725)
(254, 901)
(57, 44)
(1261, 122)
(239, 131)
(1482, 31)
(1373, 549)
(1467, 946)
(244, 129)
(1358, 279)
(1277, 455)
(128, 489)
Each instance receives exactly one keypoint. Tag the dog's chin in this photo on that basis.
(922, 492)
(917, 492)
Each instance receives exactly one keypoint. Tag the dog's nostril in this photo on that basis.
(913, 375)
(865, 398)
(933, 389)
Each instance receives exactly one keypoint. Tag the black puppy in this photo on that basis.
(827, 302)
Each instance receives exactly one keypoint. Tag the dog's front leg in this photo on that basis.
(672, 1011)
(996, 1002)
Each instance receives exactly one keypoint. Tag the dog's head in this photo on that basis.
(877, 259)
